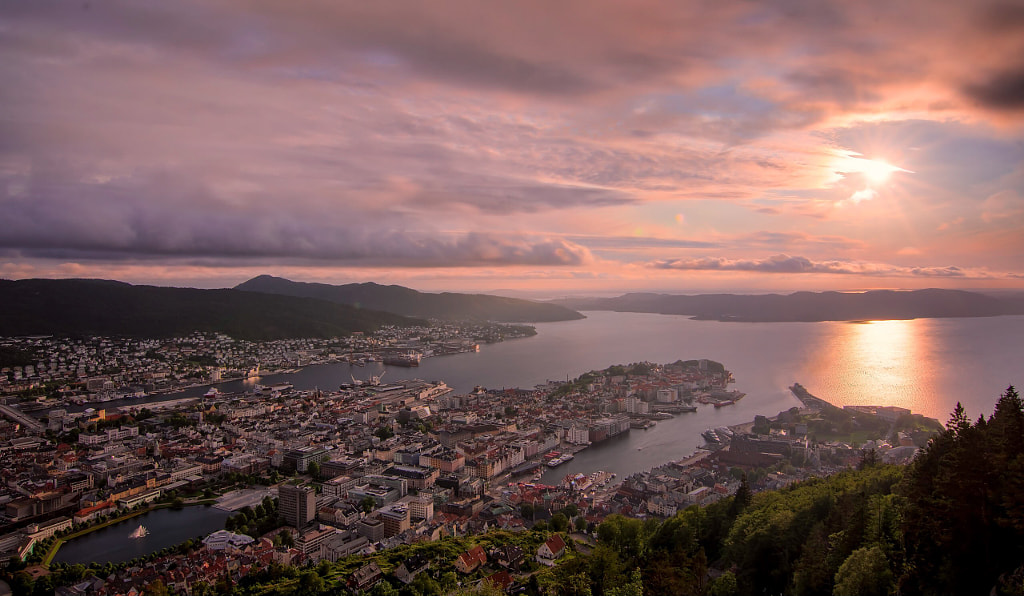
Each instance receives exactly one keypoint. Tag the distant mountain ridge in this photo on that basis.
(812, 306)
(100, 307)
(411, 303)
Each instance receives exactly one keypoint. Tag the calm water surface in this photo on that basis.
(167, 527)
(926, 365)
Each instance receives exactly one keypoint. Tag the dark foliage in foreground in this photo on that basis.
(950, 523)
(964, 515)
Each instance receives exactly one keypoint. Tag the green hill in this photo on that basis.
(99, 307)
(410, 303)
(952, 522)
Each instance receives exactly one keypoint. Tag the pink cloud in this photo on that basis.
(469, 135)
(782, 263)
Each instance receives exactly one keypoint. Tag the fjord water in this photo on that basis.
(926, 365)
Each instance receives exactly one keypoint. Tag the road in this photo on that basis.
(22, 418)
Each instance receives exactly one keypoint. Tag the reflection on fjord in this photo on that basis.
(883, 363)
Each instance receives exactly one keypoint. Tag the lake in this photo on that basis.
(167, 527)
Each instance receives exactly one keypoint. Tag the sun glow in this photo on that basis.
(874, 171)
(871, 174)
(877, 171)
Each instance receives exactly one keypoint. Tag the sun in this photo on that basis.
(877, 171)
(864, 177)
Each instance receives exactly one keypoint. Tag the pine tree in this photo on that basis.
(741, 499)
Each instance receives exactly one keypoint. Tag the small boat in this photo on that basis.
(139, 532)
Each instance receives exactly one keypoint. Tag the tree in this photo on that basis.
(1007, 421)
(634, 587)
(724, 585)
(367, 504)
(580, 523)
(868, 459)
(448, 581)
(958, 422)
(287, 539)
(741, 499)
(310, 582)
(424, 585)
(314, 470)
(157, 588)
(559, 523)
(865, 572)
(813, 573)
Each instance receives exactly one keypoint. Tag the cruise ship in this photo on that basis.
(561, 460)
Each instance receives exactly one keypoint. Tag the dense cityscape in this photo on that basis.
(370, 467)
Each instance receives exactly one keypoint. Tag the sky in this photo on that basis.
(570, 147)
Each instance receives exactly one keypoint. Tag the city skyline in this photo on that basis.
(528, 147)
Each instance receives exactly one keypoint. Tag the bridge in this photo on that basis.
(22, 418)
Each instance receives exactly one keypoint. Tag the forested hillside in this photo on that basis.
(80, 307)
(950, 523)
(410, 303)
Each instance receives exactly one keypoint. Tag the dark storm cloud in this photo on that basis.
(1002, 91)
(159, 214)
